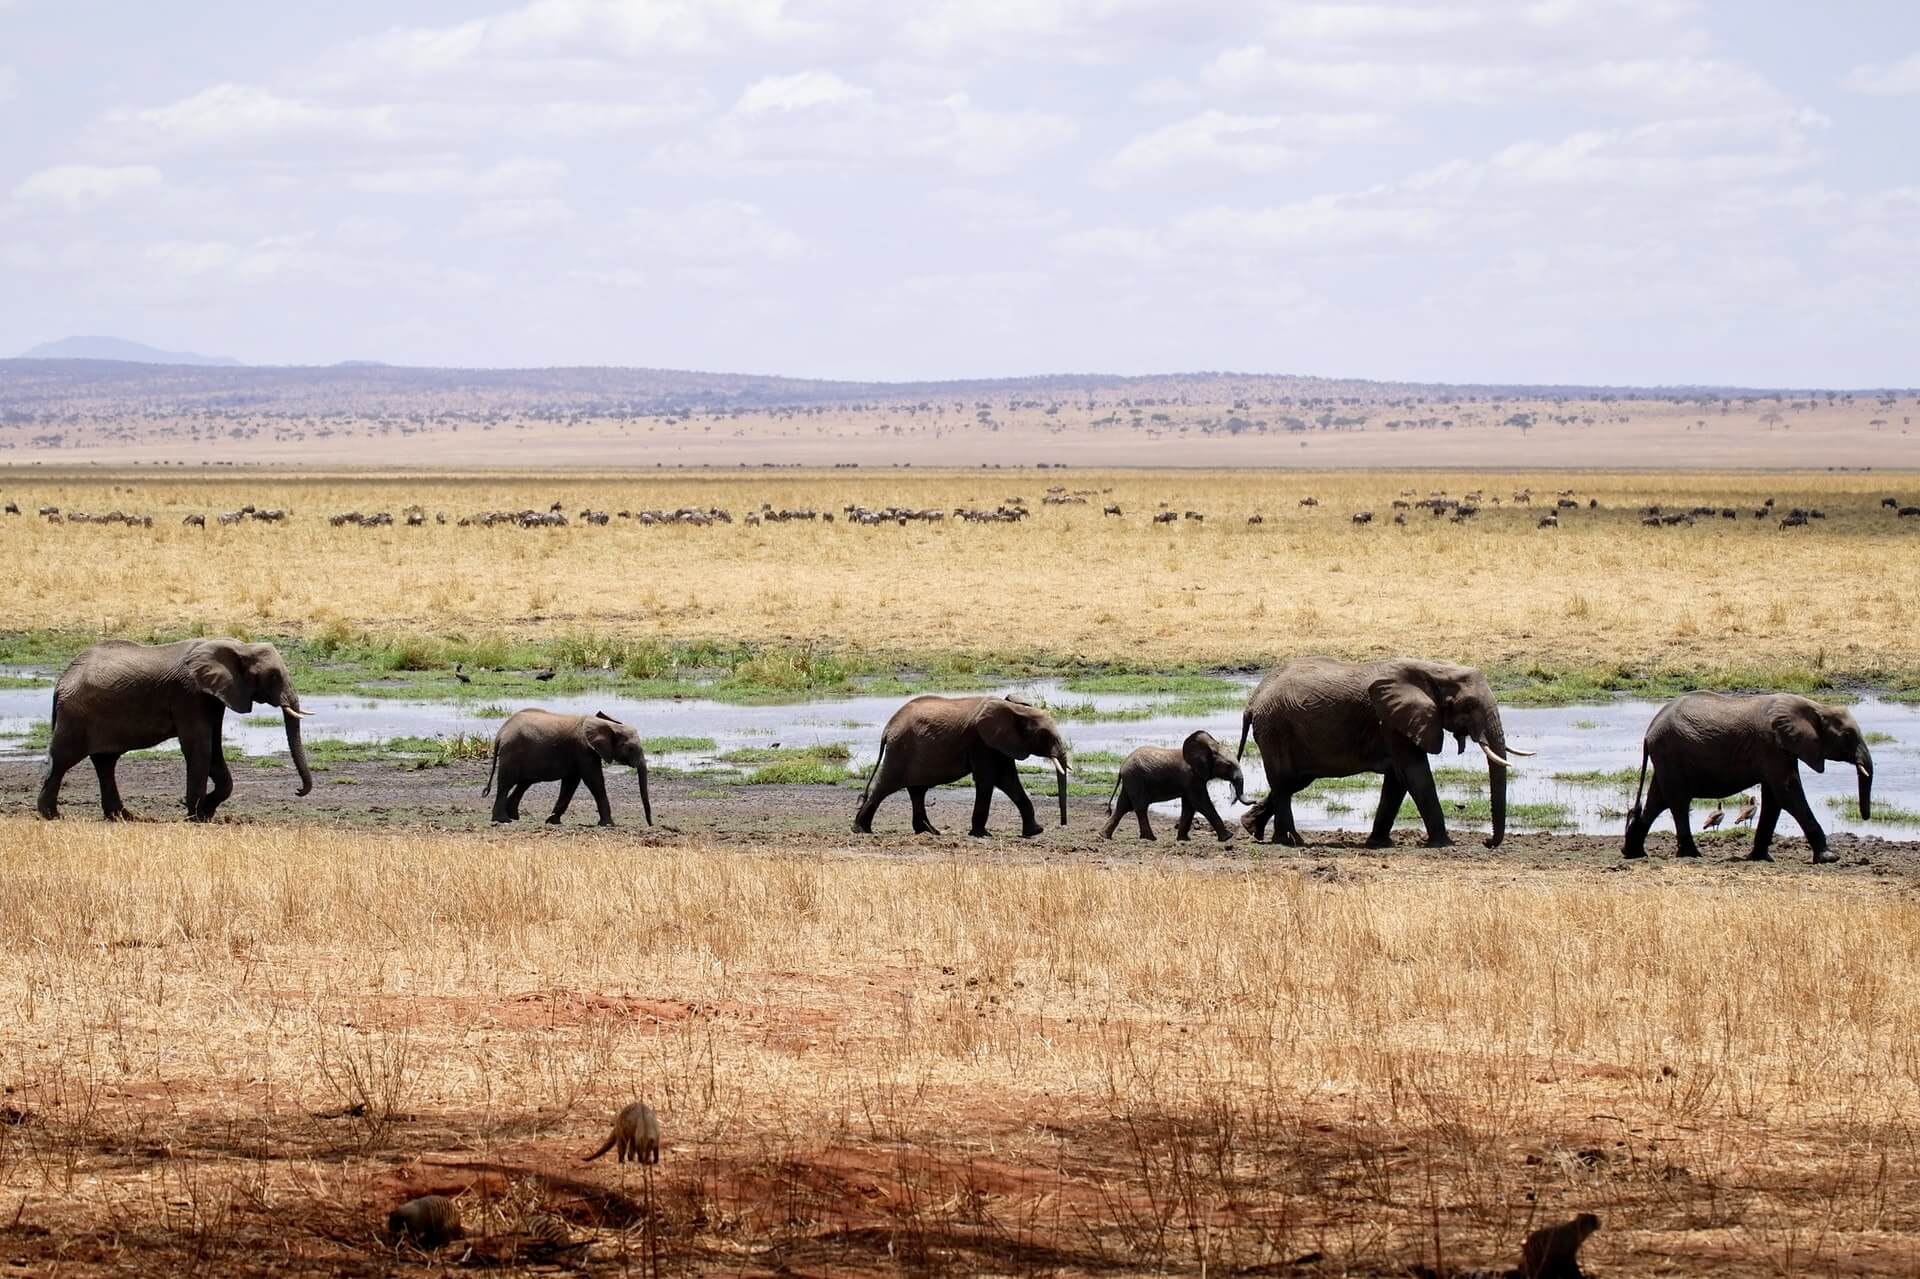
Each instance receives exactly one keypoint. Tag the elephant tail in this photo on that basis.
(1113, 794)
(1246, 722)
(492, 766)
(1633, 814)
(868, 784)
(53, 722)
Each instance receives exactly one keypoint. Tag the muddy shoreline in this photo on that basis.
(387, 797)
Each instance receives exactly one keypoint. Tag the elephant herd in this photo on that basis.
(1315, 717)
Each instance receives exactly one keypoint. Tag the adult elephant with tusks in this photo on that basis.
(932, 741)
(1710, 745)
(119, 696)
(1317, 717)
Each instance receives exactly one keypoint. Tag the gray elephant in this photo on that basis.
(1155, 774)
(1317, 717)
(935, 740)
(118, 697)
(540, 746)
(1709, 745)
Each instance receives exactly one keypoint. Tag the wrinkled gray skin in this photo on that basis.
(1316, 717)
(1155, 774)
(118, 697)
(935, 740)
(1711, 745)
(540, 746)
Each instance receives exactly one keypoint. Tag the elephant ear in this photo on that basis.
(1407, 709)
(1798, 727)
(217, 671)
(598, 730)
(999, 724)
(1200, 750)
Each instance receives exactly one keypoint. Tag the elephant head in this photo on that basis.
(1019, 731)
(1815, 733)
(617, 743)
(1208, 760)
(1423, 702)
(241, 676)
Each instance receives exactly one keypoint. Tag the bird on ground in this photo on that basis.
(1714, 818)
(543, 675)
(460, 675)
(1746, 814)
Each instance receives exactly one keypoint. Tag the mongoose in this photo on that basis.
(637, 1134)
(429, 1221)
(1553, 1252)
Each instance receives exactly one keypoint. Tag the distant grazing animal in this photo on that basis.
(1553, 1252)
(426, 1222)
(1907, 512)
(1309, 501)
(1165, 517)
(537, 745)
(1155, 774)
(1891, 503)
(1549, 521)
(1400, 517)
(1795, 520)
(1363, 517)
(13, 508)
(1112, 508)
(635, 1137)
(1256, 518)
(195, 521)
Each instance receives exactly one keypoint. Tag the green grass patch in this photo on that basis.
(1586, 725)
(1875, 737)
(1891, 814)
(678, 745)
(1324, 785)
(1153, 685)
(1599, 777)
(828, 752)
(1087, 759)
(24, 681)
(805, 771)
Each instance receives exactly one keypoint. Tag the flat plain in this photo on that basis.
(233, 1049)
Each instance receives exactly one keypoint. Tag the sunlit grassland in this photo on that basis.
(1125, 1069)
(1593, 605)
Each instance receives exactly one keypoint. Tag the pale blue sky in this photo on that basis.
(1621, 191)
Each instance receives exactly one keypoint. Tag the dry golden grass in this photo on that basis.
(1601, 590)
(868, 1064)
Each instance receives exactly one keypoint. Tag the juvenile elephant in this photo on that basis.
(1155, 774)
(1708, 745)
(118, 697)
(541, 746)
(935, 740)
(1316, 717)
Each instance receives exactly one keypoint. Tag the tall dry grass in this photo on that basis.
(1600, 590)
(950, 1065)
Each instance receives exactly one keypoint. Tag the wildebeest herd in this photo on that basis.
(1313, 718)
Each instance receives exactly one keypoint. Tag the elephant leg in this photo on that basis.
(503, 806)
(1183, 829)
(568, 784)
(1641, 821)
(982, 800)
(886, 781)
(1764, 824)
(222, 777)
(1204, 802)
(1681, 806)
(1794, 799)
(1254, 820)
(61, 757)
(596, 779)
(518, 793)
(1426, 798)
(1284, 831)
(1122, 805)
(922, 824)
(1392, 792)
(198, 750)
(1138, 802)
(110, 805)
(1008, 780)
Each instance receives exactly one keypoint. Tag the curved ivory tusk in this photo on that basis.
(1864, 771)
(1061, 767)
(296, 712)
(1493, 755)
(1515, 750)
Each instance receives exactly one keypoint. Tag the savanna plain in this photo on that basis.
(235, 1048)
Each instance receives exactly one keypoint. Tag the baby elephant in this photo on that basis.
(540, 746)
(1154, 774)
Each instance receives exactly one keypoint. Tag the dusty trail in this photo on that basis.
(815, 819)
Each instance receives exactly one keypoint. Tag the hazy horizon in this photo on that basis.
(1594, 192)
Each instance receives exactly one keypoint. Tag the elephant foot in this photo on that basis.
(1759, 855)
(199, 817)
(1633, 854)
(862, 828)
(1491, 842)
(1687, 852)
(51, 815)
(1224, 836)
(1028, 832)
(1379, 841)
(1824, 857)
(122, 815)
(605, 821)
(978, 832)
(925, 828)
(553, 819)
(1437, 841)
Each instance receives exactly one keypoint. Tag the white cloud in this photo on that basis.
(1220, 142)
(723, 232)
(236, 114)
(498, 218)
(515, 177)
(997, 210)
(817, 121)
(1673, 153)
(1325, 223)
(1127, 244)
(1886, 78)
(598, 29)
(85, 186)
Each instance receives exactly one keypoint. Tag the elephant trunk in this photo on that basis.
(1495, 745)
(1863, 764)
(1239, 781)
(646, 800)
(1060, 769)
(291, 714)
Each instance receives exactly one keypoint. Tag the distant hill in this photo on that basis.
(106, 348)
